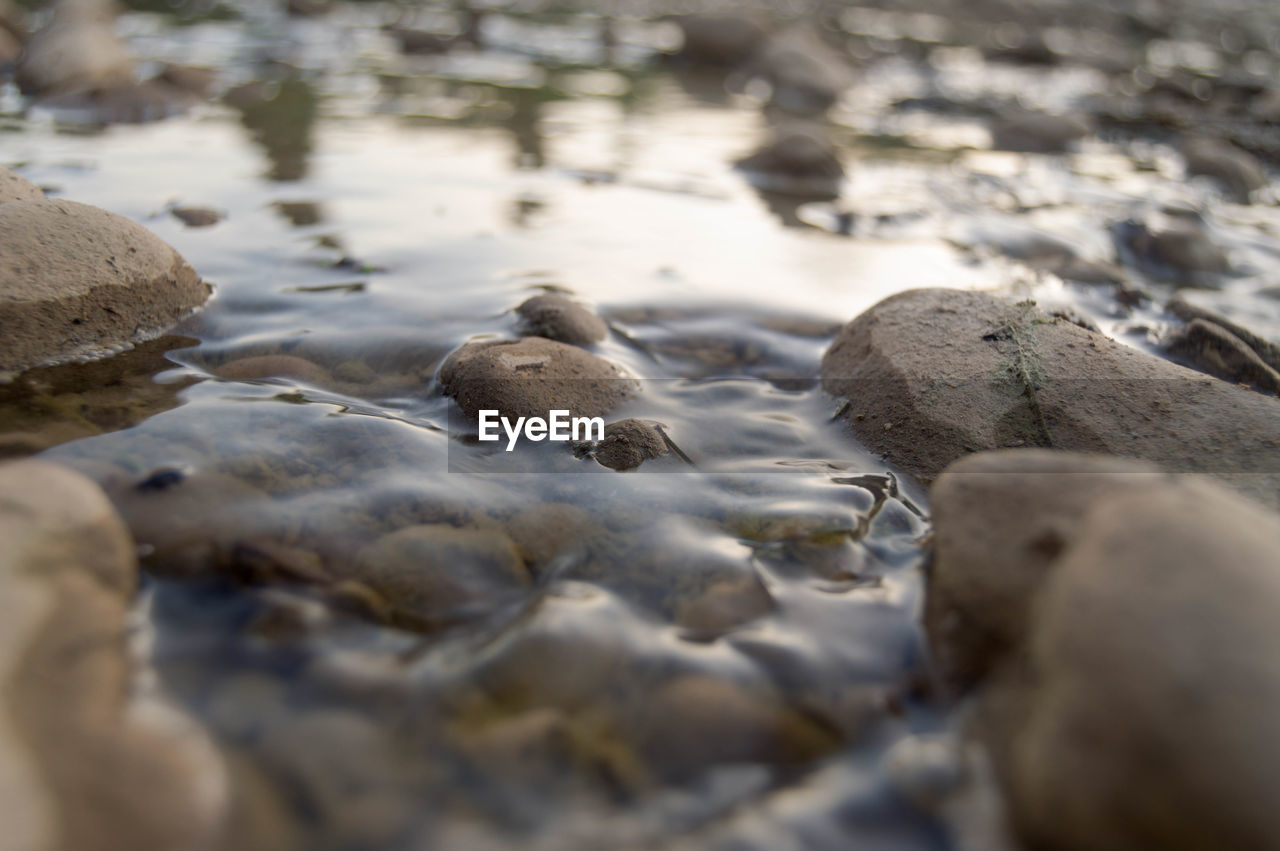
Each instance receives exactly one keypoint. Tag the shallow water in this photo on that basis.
(736, 627)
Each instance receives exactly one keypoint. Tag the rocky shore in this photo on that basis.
(990, 566)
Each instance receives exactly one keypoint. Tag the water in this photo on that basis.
(713, 653)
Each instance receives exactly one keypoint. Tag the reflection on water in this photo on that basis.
(280, 116)
(406, 639)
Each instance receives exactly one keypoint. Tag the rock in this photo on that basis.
(544, 531)
(695, 722)
(1179, 252)
(1145, 714)
(197, 217)
(349, 773)
(557, 318)
(724, 605)
(1187, 311)
(78, 50)
(1219, 352)
(10, 48)
(629, 443)
(806, 76)
(797, 159)
(108, 282)
(189, 523)
(14, 187)
(193, 79)
(260, 367)
(1000, 522)
(436, 572)
(89, 759)
(933, 375)
(532, 376)
(1236, 171)
(1038, 132)
(719, 40)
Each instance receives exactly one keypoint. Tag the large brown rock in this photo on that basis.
(78, 281)
(933, 375)
(1000, 522)
(531, 376)
(14, 187)
(88, 759)
(1140, 711)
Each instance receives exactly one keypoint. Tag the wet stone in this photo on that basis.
(629, 443)
(437, 573)
(556, 317)
(797, 159)
(1178, 252)
(1218, 352)
(197, 217)
(696, 722)
(1038, 132)
(260, 367)
(720, 40)
(933, 375)
(1236, 171)
(531, 377)
(107, 282)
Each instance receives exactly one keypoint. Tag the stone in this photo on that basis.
(108, 283)
(195, 80)
(1217, 351)
(189, 523)
(89, 760)
(1000, 521)
(14, 187)
(724, 605)
(719, 40)
(1236, 171)
(629, 443)
(542, 532)
(1038, 132)
(929, 376)
(695, 722)
(197, 217)
(1188, 311)
(259, 367)
(436, 572)
(1177, 251)
(1145, 717)
(78, 50)
(555, 317)
(806, 77)
(531, 377)
(796, 150)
